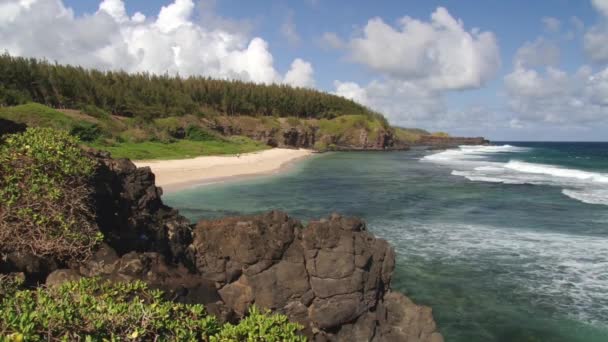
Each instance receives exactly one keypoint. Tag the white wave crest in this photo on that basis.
(472, 162)
(557, 268)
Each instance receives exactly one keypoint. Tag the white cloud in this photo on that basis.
(108, 39)
(556, 97)
(551, 24)
(596, 37)
(417, 63)
(301, 74)
(332, 41)
(540, 52)
(601, 6)
(289, 31)
(439, 54)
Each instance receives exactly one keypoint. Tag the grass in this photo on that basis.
(181, 149)
(37, 115)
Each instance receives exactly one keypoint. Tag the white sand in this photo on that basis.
(179, 174)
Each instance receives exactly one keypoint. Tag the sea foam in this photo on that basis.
(557, 269)
(473, 163)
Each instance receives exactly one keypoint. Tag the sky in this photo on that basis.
(506, 70)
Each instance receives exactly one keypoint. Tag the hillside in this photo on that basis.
(144, 116)
(147, 96)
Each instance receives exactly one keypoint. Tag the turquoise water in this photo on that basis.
(506, 243)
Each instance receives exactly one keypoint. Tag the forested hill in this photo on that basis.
(149, 96)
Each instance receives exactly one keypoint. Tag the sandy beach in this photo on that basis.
(174, 175)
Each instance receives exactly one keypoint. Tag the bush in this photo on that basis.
(195, 133)
(95, 112)
(86, 131)
(92, 310)
(44, 195)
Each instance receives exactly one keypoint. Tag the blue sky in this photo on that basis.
(523, 70)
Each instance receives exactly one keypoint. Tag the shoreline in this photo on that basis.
(180, 174)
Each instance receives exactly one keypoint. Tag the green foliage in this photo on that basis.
(441, 134)
(86, 131)
(156, 96)
(92, 310)
(409, 135)
(95, 112)
(181, 149)
(260, 326)
(37, 115)
(196, 133)
(44, 194)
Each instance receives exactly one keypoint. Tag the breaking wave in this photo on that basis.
(473, 163)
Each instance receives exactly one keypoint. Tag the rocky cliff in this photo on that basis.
(350, 133)
(441, 142)
(330, 275)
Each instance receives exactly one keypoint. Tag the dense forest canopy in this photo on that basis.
(148, 96)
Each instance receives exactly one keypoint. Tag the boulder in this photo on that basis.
(332, 276)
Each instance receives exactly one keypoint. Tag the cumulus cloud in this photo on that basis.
(540, 52)
(596, 37)
(417, 63)
(555, 96)
(301, 74)
(551, 24)
(289, 31)
(439, 54)
(332, 41)
(109, 39)
(601, 6)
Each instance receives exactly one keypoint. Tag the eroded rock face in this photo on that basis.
(332, 276)
(130, 211)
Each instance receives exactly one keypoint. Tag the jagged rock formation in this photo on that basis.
(332, 276)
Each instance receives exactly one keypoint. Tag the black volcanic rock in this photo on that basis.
(130, 211)
(10, 127)
(332, 276)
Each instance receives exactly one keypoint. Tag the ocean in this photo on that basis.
(506, 242)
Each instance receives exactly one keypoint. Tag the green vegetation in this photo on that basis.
(37, 115)
(181, 149)
(147, 96)
(134, 139)
(93, 310)
(409, 135)
(44, 193)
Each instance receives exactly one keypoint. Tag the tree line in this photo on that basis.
(147, 96)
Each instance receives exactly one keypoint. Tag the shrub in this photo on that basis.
(134, 135)
(44, 195)
(260, 326)
(92, 310)
(95, 112)
(86, 131)
(195, 133)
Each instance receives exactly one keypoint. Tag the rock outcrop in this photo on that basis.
(332, 276)
(130, 212)
(439, 142)
(10, 127)
(307, 134)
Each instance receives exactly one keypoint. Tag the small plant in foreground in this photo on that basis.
(44, 195)
(92, 310)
